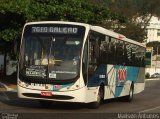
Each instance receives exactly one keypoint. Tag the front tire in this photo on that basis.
(100, 98)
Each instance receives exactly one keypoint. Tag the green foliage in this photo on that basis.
(147, 75)
(133, 31)
(8, 34)
(131, 10)
(15, 13)
(115, 14)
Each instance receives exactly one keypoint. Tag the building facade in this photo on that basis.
(153, 30)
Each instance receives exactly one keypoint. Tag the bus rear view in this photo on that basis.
(49, 67)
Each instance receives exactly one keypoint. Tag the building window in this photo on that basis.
(158, 32)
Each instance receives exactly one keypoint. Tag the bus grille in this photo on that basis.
(59, 97)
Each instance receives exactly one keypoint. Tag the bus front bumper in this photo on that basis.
(82, 95)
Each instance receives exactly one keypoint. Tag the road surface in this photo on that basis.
(147, 102)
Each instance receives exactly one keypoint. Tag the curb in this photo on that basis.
(4, 87)
(153, 79)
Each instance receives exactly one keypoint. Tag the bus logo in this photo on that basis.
(122, 73)
(57, 86)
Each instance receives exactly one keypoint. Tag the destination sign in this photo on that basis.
(58, 30)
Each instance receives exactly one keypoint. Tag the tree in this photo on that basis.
(137, 14)
(15, 13)
(119, 15)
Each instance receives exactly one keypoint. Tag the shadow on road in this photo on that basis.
(11, 99)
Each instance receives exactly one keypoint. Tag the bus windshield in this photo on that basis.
(51, 51)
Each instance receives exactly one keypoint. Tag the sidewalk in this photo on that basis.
(8, 83)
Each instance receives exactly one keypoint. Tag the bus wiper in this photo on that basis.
(50, 51)
(55, 62)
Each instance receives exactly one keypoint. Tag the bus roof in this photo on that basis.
(115, 35)
(58, 22)
(94, 28)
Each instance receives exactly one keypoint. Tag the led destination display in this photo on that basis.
(58, 30)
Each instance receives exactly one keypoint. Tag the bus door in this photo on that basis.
(93, 56)
(96, 68)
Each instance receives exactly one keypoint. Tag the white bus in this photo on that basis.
(77, 62)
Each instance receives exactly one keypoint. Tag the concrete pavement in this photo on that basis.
(8, 87)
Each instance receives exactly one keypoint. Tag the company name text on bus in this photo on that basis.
(59, 30)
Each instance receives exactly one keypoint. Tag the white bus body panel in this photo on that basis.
(83, 95)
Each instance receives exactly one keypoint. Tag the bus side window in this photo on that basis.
(104, 49)
(112, 51)
(92, 56)
(93, 53)
(128, 58)
(133, 55)
(125, 54)
(119, 53)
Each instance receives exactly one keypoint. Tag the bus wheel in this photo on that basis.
(100, 98)
(45, 103)
(129, 97)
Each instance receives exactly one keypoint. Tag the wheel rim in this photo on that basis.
(131, 93)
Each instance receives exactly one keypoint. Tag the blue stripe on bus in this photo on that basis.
(99, 76)
(131, 75)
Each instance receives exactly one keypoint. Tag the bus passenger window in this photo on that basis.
(92, 55)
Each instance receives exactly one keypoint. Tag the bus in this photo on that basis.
(77, 62)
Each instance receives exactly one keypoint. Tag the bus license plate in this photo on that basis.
(46, 94)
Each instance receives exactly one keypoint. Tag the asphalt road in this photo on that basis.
(147, 102)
